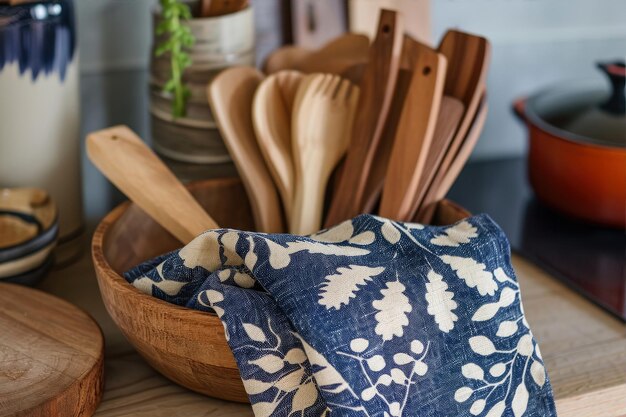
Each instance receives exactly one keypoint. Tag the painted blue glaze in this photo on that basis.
(40, 36)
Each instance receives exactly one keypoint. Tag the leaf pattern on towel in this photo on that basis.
(371, 318)
(339, 288)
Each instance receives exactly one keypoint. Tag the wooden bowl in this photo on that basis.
(185, 345)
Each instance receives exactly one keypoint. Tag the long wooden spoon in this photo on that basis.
(129, 164)
(271, 114)
(414, 135)
(230, 95)
(322, 121)
(377, 87)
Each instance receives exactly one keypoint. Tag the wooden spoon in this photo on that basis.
(377, 88)
(414, 135)
(231, 95)
(129, 164)
(334, 57)
(271, 114)
(468, 58)
(442, 187)
(322, 121)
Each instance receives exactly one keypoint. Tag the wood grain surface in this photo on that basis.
(584, 349)
(334, 57)
(271, 113)
(468, 61)
(231, 95)
(414, 136)
(323, 119)
(51, 356)
(136, 170)
(377, 88)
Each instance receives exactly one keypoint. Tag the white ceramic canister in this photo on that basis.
(220, 42)
(39, 108)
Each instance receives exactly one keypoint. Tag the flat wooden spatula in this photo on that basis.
(129, 164)
(414, 134)
(468, 60)
(376, 93)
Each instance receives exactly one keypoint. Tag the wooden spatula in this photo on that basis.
(450, 115)
(271, 114)
(129, 164)
(468, 60)
(414, 134)
(230, 95)
(441, 187)
(334, 57)
(322, 123)
(376, 176)
(376, 93)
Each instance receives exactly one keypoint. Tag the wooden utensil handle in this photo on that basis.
(129, 164)
(376, 92)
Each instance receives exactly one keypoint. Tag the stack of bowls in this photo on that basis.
(221, 42)
(28, 234)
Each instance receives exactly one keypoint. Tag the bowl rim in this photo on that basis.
(117, 280)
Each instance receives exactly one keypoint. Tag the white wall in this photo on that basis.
(535, 42)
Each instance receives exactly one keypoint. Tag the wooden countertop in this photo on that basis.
(584, 349)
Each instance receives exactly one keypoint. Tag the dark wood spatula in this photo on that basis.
(468, 61)
(414, 135)
(376, 87)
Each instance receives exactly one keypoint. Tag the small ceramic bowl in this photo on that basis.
(187, 346)
(28, 234)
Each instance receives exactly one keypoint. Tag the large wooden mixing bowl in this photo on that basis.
(185, 345)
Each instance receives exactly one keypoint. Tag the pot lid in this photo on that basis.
(586, 112)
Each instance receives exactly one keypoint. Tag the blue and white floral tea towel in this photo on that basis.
(371, 318)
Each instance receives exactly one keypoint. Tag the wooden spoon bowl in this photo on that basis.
(185, 345)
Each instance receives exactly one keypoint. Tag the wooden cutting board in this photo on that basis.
(51, 356)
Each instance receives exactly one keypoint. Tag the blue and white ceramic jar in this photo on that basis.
(39, 106)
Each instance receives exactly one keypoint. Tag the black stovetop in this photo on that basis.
(591, 259)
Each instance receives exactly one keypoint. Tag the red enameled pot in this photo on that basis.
(577, 154)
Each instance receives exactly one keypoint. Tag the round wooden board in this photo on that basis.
(51, 356)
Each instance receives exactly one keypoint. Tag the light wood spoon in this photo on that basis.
(334, 57)
(376, 95)
(129, 164)
(230, 95)
(271, 114)
(322, 122)
(414, 135)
